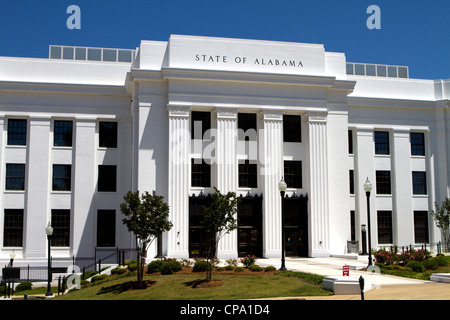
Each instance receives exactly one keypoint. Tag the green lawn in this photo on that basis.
(179, 286)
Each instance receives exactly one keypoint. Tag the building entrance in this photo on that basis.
(250, 226)
(295, 211)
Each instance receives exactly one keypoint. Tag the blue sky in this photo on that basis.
(413, 33)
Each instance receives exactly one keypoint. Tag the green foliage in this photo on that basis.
(26, 285)
(270, 268)
(229, 268)
(416, 266)
(201, 266)
(441, 260)
(170, 266)
(118, 271)
(239, 269)
(88, 274)
(99, 277)
(255, 268)
(147, 217)
(442, 218)
(431, 264)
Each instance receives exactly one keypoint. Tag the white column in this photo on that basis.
(84, 185)
(271, 171)
(179, 182)
(227, 169)
(318, 198)
(402, 213)
(38, 173)
(364, 152)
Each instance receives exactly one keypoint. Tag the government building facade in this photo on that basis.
(80, 129)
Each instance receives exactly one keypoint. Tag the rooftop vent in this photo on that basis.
(90, 54)
(377, 70)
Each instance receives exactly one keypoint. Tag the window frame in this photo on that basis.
(382, 144)
(203, 175)
(292, 128)
(9, 177)
(417, 149)
(205, 118)
(105, 140)
(293, 173)
(17, 135)
(247, 122)
(419, 187)
(248, 174)
(11, 232)
(107, 178)
(62, 139)
(106, 238)
(383, 187)
(385, 227)
(421, 226)
(61, 227)
(65, 180)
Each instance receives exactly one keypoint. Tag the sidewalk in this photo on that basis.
(386, 287)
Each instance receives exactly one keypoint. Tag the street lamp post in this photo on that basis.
(364, 239)
(49, 232)
(282, 187)
(368, 189)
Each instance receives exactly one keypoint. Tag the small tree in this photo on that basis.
(147, 217)
(442, 218)
(219, 219)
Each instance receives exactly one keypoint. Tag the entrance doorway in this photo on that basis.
(197, 239)
(295, 211)
(250, 226)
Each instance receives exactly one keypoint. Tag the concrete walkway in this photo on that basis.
(384, 287)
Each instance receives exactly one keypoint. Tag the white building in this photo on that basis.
(80, 129)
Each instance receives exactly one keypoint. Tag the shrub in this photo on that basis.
(118, 271)
(132, 266)
(416, 266)
(232, 262)
(431, 264)
(26, 285)
(229, 268)
(255, 268)
(155, 266)
(248, 260)
(239, 269)
(385, 257)
(170, 266)
(99, 277)
(441, 261)
(270, 268)
(89, 274)
(201, 266)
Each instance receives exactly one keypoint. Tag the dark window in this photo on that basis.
(421, 226)
(247, 126)
(350, 141)
(61, 227)
(417, 143)
(107, 178)
(200, 173)
(106, 228)
(419, 180)
(352, 225)
(248, 174)
(107, 134)
(13, 228)
(352, 182)
(381, 142)
(62, 177)
(62, 136)
(292, 128)
(17, 132)
(15, 176)
(384, 219)
(293, 174)
(200, 123)
(383, 182)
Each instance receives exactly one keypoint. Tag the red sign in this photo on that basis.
(346, 270)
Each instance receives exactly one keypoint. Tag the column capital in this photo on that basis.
(227, 113)
(178, 111)
(317, 116)
(272, 114)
